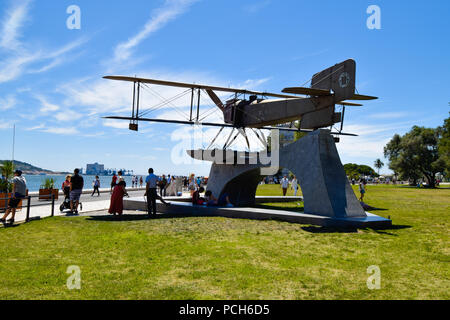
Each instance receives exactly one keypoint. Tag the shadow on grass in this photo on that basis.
(423, 188)
(381, 230)
(141, 217)
(317, 229)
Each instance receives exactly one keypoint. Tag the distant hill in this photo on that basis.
(27, 168)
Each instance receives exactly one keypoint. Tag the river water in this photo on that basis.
(34, 182)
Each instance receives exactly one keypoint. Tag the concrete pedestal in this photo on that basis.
(314, 160)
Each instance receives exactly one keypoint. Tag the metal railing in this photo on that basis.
(28, 207)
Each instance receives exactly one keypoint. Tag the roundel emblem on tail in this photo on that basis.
(344, 80)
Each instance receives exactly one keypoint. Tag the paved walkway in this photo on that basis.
(91, 205)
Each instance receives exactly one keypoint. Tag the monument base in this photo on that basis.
(184, 209)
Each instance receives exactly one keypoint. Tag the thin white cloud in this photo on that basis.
(116, 124)
(160, 17)
(388, 115)
(258, 6)
(20, 59)
(13, 21)
(5, 125)
(38, 127)
(46, 106)
(67, 115)
(8, 103)
(61, 131)
(371, 140)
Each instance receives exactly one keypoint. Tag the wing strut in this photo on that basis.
(214, 140)
(228, 140)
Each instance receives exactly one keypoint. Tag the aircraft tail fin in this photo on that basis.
(339, 78)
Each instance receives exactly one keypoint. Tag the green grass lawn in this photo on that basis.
(218, 258)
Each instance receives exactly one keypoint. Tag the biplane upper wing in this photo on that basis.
(198, 86)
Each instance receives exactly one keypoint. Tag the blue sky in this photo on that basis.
(51, 84)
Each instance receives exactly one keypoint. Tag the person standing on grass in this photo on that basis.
(284, 185)
(76, 189)
(19, 193)
(362, 190)
(294, 185)
(96, 185)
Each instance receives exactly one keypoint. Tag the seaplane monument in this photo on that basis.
(327, 194)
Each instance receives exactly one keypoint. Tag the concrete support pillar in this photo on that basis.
(314, 160)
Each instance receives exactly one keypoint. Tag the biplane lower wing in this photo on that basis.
(212, 124)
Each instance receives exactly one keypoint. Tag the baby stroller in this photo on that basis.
(66, 204)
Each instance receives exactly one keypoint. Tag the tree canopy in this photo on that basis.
(415, 154)
(444, 145)
(355, 171)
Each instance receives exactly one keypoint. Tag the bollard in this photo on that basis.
(53, 205)
(28, 209)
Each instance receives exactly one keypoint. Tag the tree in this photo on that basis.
(444, 144)
(355, 171)
(7, 169)
(378, 164)
(7, 172)
(415, 154)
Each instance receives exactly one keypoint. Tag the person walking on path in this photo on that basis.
(362, 190)
(116, 204)
(162, 186)
(113, 182)
(19, 192)
(120, 177)
(192, 186)
(294, 185)
(284, 185)
(96, 185)
(76, 188)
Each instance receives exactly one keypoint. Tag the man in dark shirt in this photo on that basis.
(76, 188)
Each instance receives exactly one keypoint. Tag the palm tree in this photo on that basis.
(7, 169)
(378, 164)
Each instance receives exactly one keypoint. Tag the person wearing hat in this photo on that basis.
(19, 191)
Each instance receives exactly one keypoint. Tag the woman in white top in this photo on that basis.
(294, 185)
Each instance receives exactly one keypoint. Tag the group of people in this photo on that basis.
(74, 184)
(152, 181)
(284, 183)
(137, 181)
(72, 188)
(209, 199)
